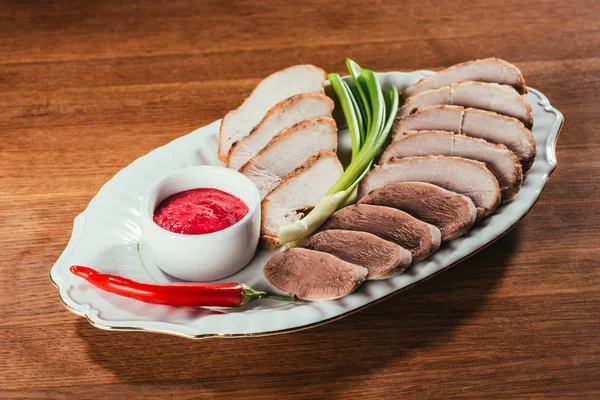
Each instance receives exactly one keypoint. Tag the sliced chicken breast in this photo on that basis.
(467, 177)
(418, 237)
(481, 124)
(283, 115)
(276, 87)
(493, 70)
(383, 259)
(313, 275)
(498, 159)
(502, 99)
(289, 150)
(452, 213)
(298, 192)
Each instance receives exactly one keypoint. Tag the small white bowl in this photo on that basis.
(209, 256)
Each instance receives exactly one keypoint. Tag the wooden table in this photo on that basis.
(88, 87)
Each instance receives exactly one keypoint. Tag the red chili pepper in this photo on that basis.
(191, 294)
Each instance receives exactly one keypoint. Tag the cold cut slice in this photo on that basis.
(313, 275)
(383, 259)
(498, 159)
(481, 124)
(502, 130)
(283, 115)
(276, 87)
(439, 117)
(418, 237)
(493, 70)
(501, 99)
(289, 150)
(467, 177)
(298, 192)
(452, 213)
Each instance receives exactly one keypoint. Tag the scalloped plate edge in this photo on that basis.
(78, 224)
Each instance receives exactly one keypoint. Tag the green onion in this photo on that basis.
(352, 118)
(369, 116)
(355, 73)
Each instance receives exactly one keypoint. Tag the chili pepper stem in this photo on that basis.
(282, 298)
(249, 294)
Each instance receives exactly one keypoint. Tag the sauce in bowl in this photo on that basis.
(199, 211)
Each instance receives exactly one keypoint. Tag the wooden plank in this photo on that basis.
(88, 87)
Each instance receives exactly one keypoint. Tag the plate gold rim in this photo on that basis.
(337, 317)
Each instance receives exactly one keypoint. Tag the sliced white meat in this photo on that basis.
(467, 177)
(313, 275)
(481, 124)
(383, 259)
(298, 192)
(283, 115)
(289, 150)
(493, 70)
(502, 99)
(418, 237)
(498, 159)
(274, 88)
(452, 213)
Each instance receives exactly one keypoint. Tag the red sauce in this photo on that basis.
(199, 211)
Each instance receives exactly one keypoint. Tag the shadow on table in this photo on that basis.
(341, 351)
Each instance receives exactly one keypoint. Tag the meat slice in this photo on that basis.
(383, 259)
(502, 99)
(313, 275)
(498, 159)
(289, 150)
(503, 130)
(441, 117)
(467, 177)
(418, 237)
(274, 88)
(481, 124)
(493, 70)
(452, 213)
(283, 115)
(298, 192)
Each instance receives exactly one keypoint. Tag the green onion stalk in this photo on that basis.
(369, 115)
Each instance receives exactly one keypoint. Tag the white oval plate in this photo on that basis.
(106, 236)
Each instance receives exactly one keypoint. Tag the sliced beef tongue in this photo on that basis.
(313, 275)
(452, 213)
(498, 159)
(487, 125)
(467, 177)
(492, 70)
(418, 237)
(502, 99)
(289, 150)
(382, 258)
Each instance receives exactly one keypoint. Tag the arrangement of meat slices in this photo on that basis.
(461, 145)
(284, 139)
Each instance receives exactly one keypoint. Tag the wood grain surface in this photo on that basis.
(88, 87)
